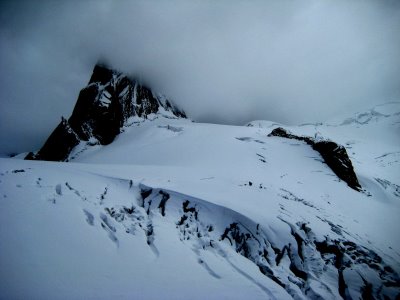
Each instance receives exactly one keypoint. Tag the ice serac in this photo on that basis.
(334, 155)
(103, 107)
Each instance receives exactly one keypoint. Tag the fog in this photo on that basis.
(224, 62)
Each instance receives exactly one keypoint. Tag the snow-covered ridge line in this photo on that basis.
(302, 263)
(334, 155)
(377, 112)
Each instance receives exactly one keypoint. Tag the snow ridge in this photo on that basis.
(334, 155)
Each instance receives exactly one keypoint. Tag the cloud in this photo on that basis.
(221, 61)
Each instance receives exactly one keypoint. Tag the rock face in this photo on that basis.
(334, 155)
(58, 145)
(102, 109)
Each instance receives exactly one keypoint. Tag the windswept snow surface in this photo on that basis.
(179, 210)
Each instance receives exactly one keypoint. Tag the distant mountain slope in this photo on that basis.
(110, 101)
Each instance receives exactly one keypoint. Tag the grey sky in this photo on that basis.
(221, 61)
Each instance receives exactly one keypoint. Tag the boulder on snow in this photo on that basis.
(334, 155)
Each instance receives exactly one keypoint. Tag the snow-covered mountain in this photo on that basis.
(172, 209)
(110, 101)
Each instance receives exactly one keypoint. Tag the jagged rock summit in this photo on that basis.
(109, 102)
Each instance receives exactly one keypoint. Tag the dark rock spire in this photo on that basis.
(102, 109)
(58, 145)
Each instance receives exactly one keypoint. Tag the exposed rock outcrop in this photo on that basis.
(103, 107)
(334, 155)
(58, 145)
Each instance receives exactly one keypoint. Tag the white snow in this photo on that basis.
(61, 240)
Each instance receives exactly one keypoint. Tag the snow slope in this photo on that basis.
(174, 210)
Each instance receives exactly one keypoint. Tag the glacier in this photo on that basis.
(174, 209)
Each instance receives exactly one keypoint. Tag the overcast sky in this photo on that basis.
(221, 61)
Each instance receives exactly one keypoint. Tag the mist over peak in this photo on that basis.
(290, 62)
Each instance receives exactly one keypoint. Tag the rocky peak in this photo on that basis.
(103, 107)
